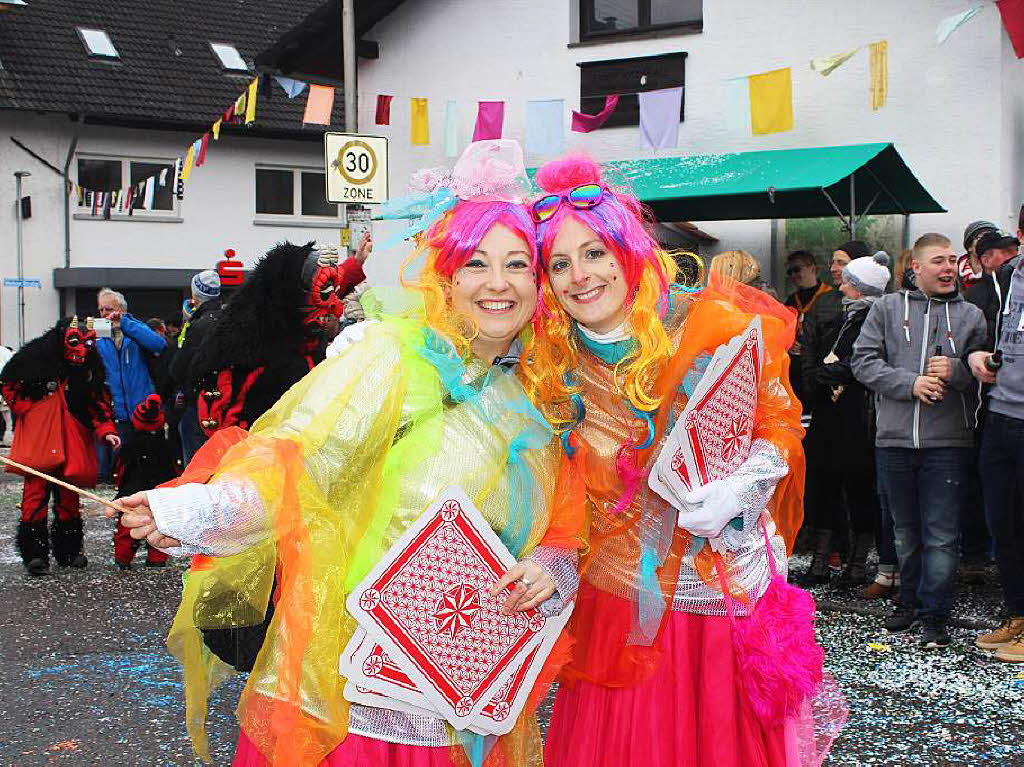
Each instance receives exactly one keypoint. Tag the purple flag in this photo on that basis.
(659, 118)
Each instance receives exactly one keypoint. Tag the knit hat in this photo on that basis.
(869, 274)
(148, 415)
(974, 229)
(206, 285)
(855, 249)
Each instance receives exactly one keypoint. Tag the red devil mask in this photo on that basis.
(78, 341)
(320, 283)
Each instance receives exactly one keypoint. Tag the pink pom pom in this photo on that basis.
(568, 172)
(780, 661)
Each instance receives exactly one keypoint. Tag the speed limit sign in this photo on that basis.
(357, 168)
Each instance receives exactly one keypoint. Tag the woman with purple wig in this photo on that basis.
(326, 481)
(690, 647)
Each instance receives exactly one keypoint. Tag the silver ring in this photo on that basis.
(526, 582)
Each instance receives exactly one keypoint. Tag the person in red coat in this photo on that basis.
(56, 387)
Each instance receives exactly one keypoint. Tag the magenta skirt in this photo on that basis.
(692, 712)
(357, 751)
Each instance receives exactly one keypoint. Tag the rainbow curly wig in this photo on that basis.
(447, 246)
(553, 353)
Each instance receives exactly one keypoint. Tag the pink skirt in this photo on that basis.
(357, 751)
(691, 712)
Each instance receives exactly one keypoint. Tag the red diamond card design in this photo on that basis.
(427, 605)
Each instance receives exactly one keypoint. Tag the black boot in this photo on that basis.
(855, 572)
(66, 535)
(34, 547)
(818, 573)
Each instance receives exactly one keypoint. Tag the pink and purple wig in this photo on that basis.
(618, 219)
(454, 238)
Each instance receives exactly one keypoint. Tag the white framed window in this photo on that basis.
(98, 44)
(99, 176)
(293, 195)
(229, 57)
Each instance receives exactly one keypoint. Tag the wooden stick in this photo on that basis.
(62, 483)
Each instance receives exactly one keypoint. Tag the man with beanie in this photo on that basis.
(126, 355)
(840, 437)
(200, 315)
(909, 354)
(1000, 365)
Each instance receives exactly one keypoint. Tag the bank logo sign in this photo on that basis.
(357, 168)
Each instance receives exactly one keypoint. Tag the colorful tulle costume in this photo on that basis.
(323, 485)
(682, 656)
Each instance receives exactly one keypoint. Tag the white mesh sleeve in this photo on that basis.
(217, 519)
(562, 566)
(754, 484)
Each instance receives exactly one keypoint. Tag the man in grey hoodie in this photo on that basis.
(1001, 457)
(909, 353)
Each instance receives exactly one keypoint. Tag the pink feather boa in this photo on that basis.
(780, 661)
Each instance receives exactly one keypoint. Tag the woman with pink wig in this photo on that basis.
(426, 397)
(690, 647)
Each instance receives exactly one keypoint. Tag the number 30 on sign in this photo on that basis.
(356, 168)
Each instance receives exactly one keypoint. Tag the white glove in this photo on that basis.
(708, 509)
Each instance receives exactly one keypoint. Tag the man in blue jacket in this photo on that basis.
(125, 357)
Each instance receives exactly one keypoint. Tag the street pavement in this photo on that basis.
(85, 677)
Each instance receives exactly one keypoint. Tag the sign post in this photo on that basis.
(357, 175)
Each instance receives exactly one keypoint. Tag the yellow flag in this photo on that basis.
(879, 73)
(240, 105)
(771, 102)
(216, 130)
(420, 124)
(186, 169)
(250, 104)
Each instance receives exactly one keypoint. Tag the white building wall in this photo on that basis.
(218, 210)
(954, 112)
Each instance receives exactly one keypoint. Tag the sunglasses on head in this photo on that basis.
(583, 197)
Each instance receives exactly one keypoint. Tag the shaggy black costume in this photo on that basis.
(268, 336)
(143, 462)
(65, 360)
(264, 341)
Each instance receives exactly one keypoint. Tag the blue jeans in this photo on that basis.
(1001, 463)
(925, 490)
(192, 435)
(886, 533)
(105, 453)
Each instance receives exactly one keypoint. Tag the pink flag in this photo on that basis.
(319, 105)
(489, 118)
(582, 123)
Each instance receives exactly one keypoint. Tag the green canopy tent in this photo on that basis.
(848, 181)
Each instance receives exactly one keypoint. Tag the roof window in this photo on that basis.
(229, 57)
(97, 43)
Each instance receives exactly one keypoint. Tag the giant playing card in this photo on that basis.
(427, 605)
(713, 434)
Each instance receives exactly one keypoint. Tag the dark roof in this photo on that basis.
(312, 49)
(167, 76)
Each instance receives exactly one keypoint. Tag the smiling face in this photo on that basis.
(496, 290)
(586, 277)
(935, 269)
(840, 258)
